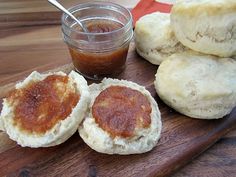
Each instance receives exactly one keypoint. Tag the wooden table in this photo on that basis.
(30, 39)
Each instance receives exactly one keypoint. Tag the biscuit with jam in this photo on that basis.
(123, 118)
(45, 109)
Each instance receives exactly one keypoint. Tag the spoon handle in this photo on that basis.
(60, 7)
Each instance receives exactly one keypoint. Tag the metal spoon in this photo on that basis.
(60, 7)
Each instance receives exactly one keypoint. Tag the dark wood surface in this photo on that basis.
(24, 48)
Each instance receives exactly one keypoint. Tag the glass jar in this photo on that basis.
(103, 50)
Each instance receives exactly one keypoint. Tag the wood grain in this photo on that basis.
(182, 139)
(217, 161)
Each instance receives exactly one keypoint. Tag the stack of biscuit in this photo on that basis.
(194, 46)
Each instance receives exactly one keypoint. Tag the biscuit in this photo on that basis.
(206, 26)
(154, 38)
(197, 85)
(123, 118)
(45, 109)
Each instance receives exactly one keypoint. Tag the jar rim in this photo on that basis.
(90, 4)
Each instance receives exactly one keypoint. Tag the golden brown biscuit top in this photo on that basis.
(192, 8)
(120, 110)
(42, 104)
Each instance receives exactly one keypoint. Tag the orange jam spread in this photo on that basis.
(42, 104)
(119, 110)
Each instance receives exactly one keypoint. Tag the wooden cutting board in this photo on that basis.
(182, 139)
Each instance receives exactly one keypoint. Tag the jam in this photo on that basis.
(102, 26)
(120, 110)
(96, 64)
(99, 64)
(42, 104)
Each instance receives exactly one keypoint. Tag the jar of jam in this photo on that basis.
(102, 51)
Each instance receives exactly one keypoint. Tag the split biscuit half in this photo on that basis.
(45, 109)
(123, 118)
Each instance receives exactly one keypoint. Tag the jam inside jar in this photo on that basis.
(102, 51)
